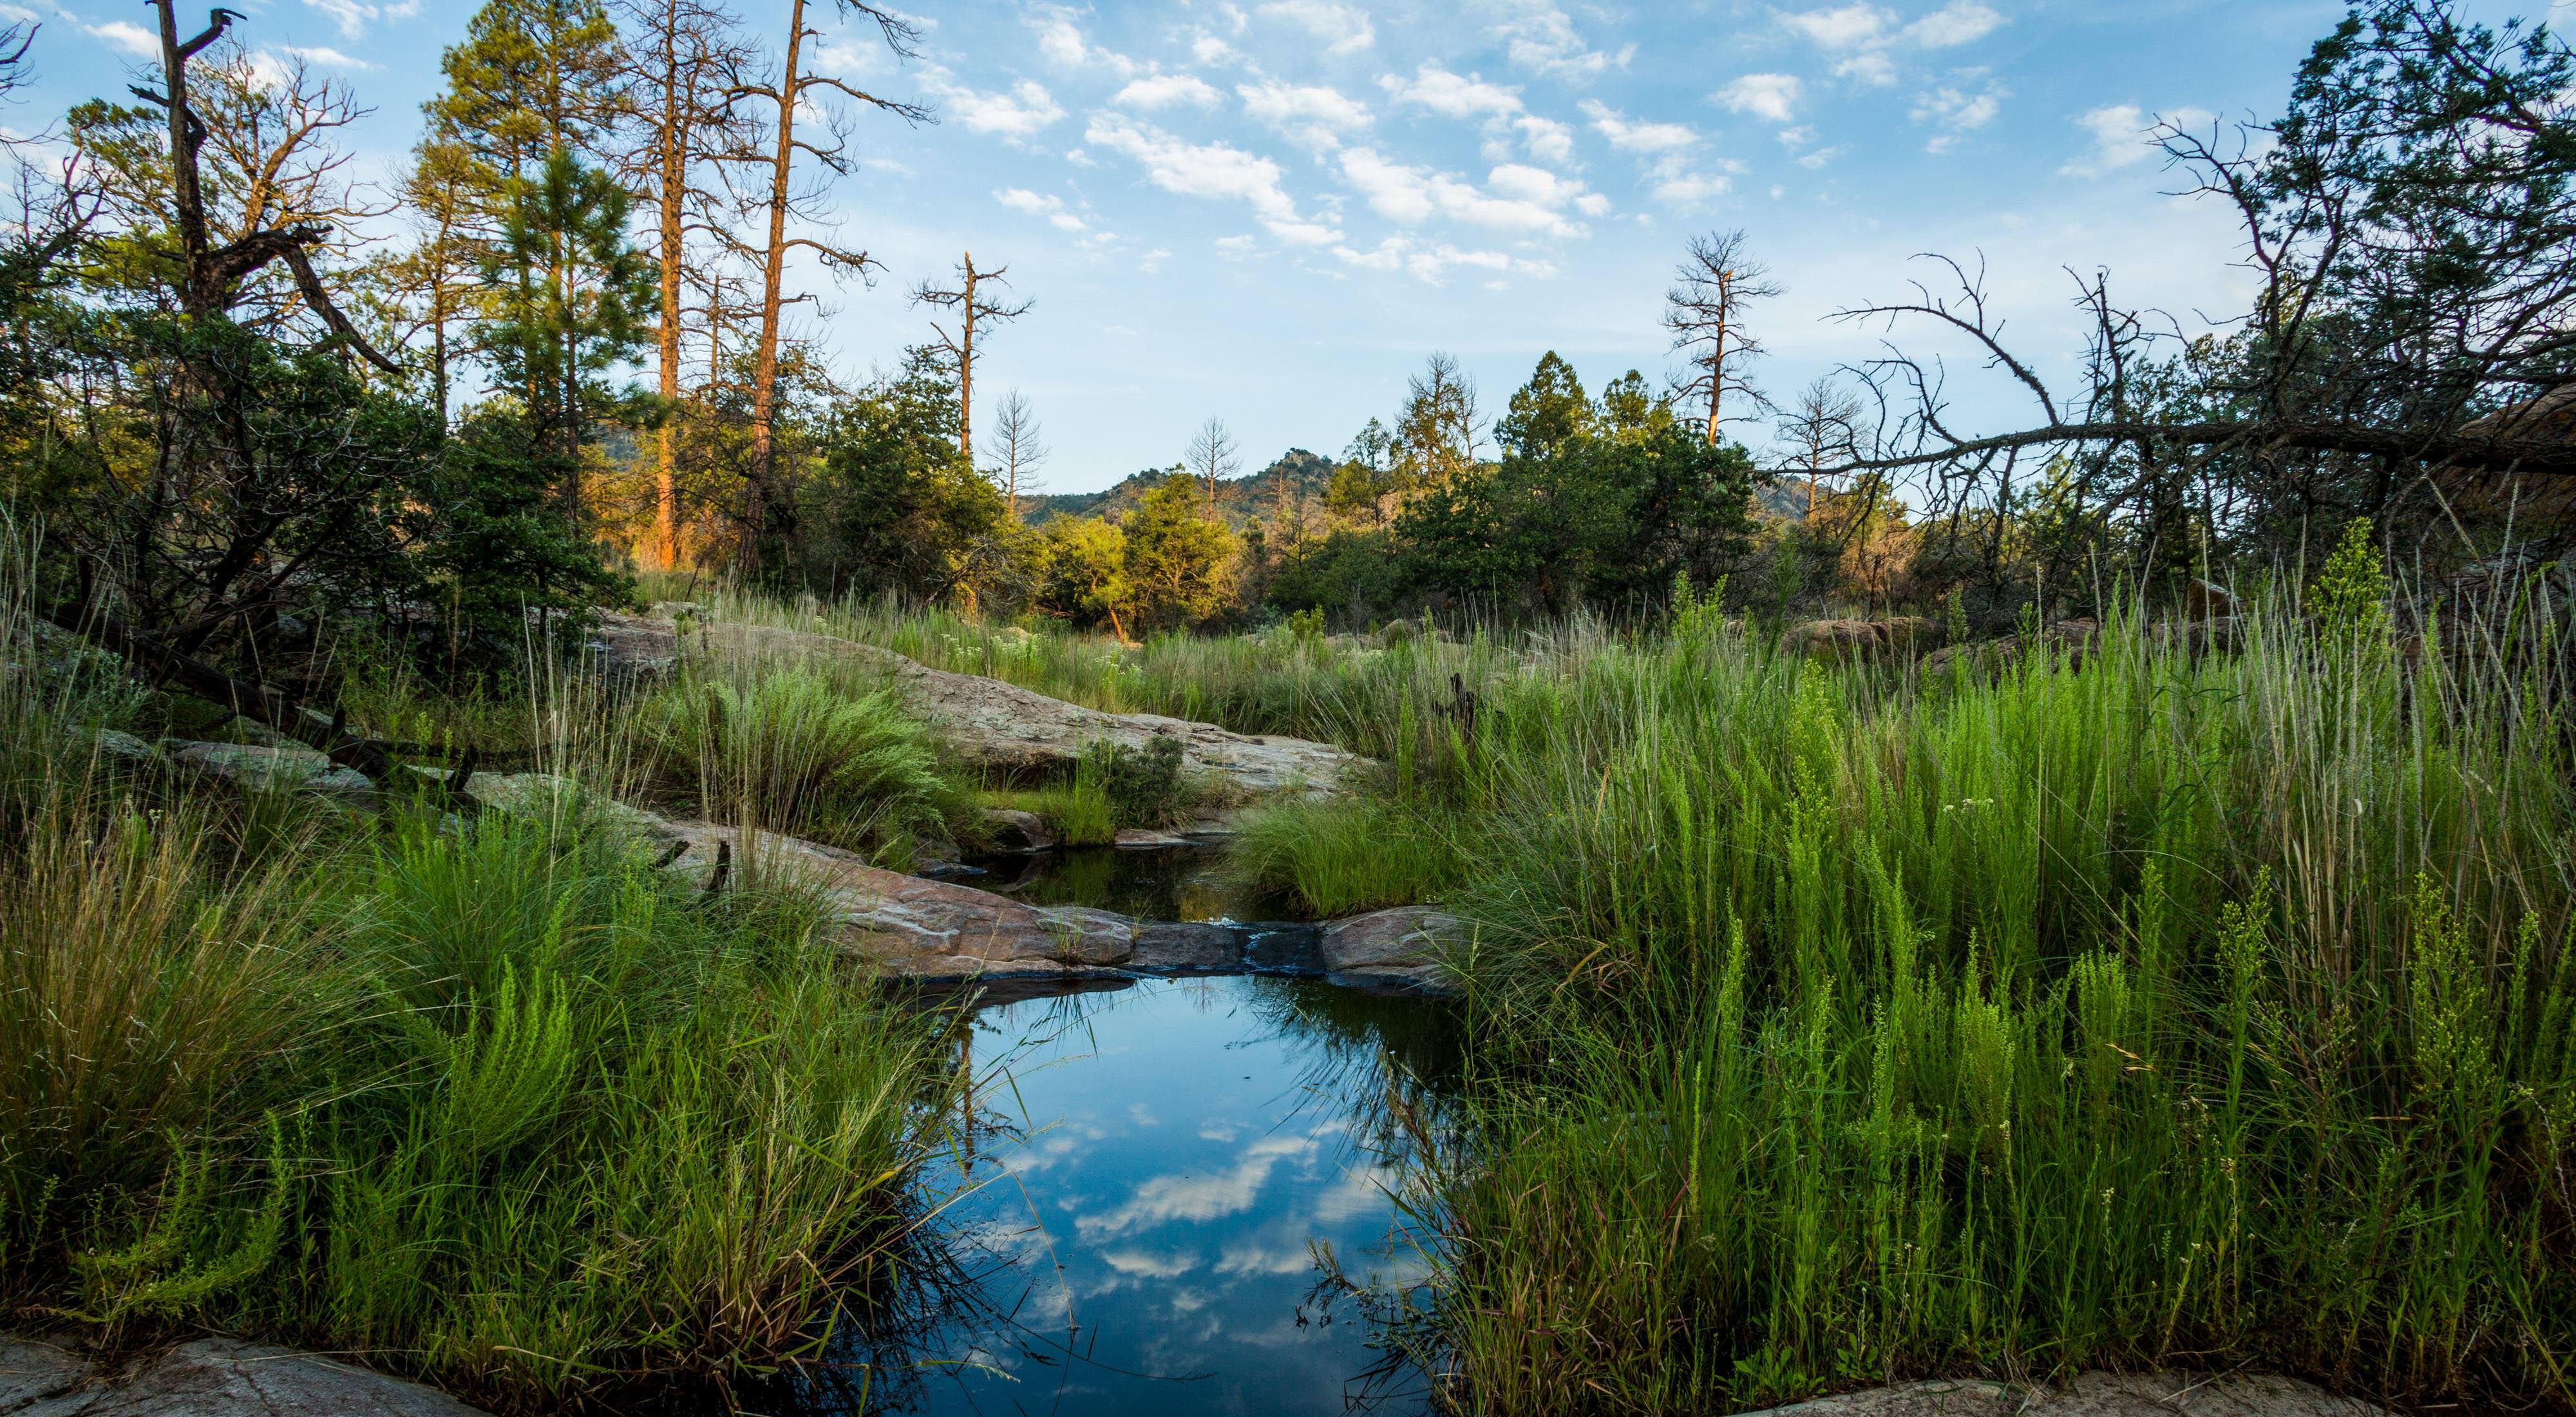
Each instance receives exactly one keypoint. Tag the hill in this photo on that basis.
(1238, 499)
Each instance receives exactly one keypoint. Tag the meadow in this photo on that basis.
(2127, 1002)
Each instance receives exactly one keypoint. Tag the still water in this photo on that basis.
(1167, 1179)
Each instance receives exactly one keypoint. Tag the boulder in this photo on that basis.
(913, 926)
(2173, 1394)
(1398, 948)
(1856, 639)
(211, 1377)
(1015, 830)
(1139, 839)
(2072, 638)
(283, 768)
(2201, 600)
(1170, 947)
(1004, 727)
(549, 796)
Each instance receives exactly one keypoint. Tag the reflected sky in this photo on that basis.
(1142, 1229)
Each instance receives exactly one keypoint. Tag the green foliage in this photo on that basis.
(1572, 515)
(794, 752)
(2073, 1017)
(2350, 596)
(1176, 557)
(892, 505)
(571, 297)
(1347, 857)
(506, 1106)
(1144, 785)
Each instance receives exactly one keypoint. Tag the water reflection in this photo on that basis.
(1171, 1185)
(1161, 883)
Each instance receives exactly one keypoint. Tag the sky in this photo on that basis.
(1271, 211)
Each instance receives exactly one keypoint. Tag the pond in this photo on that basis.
(1170, 1184)
(1192, 882)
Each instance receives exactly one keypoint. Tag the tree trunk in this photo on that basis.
(764, 379)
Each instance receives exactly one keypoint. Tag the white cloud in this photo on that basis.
(1062, 43)
(1310, 115)
(354, 16)
(1429, 261)
(1863, 36)
(1218, 171)
(1956, 112)
(1151, 1266)
(134, 39)
(1039, 204)
(1208, 49)
(1664, 150)
(1525, 201)
(1546, 139)
(1852, 26)
(1542, 37)
(1018, 114)
(1450, 96)
(318, 54)
(1959, 22)
(1771, 96)
(1198, 1198)
(1636, 137)
(1163, 90)
(1345, 29)
(2120, 133)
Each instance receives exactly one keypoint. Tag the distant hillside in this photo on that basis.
(1242, 498)
(1238, 499)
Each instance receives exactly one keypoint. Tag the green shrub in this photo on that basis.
(793, 752)
(1144, 785)
(1348, 856)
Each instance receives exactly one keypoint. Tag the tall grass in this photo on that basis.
(498, 1103)
(1342, 858)
(2205, 1012)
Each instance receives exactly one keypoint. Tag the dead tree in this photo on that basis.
(1716, 284)
(678, 68)
(1212, 457)
(1023, 452)
(784, 96)
(2412, 223)
(972, 307)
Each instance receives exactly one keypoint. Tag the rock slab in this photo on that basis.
(2092, 1395)
(212, 1377)
(1391, 949)
(1000, 725)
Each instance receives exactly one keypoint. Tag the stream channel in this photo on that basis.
(1171, 1179)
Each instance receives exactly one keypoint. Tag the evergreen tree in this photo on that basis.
(1176, 557)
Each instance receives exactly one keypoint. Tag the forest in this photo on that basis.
(524, 785)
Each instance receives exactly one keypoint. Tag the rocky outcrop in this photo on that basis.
(2092, 1395)
(290, 768)
(1014, 830)
(1856, 639)
(1002, 726)
(212, 1377)
(1390, 949)
(912, 926)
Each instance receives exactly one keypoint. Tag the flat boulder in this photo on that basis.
(1855, 639)
(2169, 1394)
(910, 925)
(999, 725)
(1391, 949)
(211, 1377)
(288, 768)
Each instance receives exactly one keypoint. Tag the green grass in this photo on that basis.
(1350, 856)
(501, 1105)
(1841, 1028)
(797, 752)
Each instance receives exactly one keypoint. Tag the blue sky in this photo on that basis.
(1270, 211)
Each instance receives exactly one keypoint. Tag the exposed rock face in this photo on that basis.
(1390, 949)
(1856, 639)
(1003, 726)
(285, 768)
(918, 927)
(213, 1377)
(2092, 1395)
(1015, 830)
(2073, 638)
